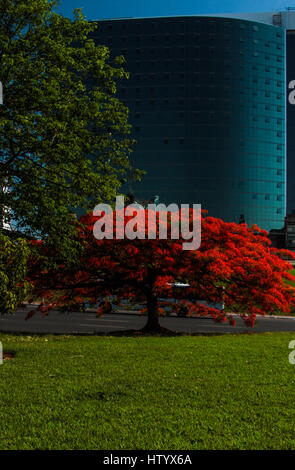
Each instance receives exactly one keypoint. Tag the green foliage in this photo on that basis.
(64, 135)
(291, 283)
(13, 265)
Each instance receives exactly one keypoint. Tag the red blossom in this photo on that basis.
(234, 265)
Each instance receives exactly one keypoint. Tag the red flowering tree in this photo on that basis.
(234, 264)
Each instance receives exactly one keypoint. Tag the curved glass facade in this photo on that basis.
(290, 121)
(207, 104)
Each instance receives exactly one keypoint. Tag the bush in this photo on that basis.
(13, 267)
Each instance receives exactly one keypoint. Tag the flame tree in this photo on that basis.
(234, 264)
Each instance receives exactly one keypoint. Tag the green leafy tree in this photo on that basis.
(65, 140)
(13, 267)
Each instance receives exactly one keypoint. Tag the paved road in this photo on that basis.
(88, 323)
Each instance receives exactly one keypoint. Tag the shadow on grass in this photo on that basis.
(162, 332)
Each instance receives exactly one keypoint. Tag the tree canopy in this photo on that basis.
(234, 264)
(64, 135)
(14, 288)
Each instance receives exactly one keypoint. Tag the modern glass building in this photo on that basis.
(291, 120)
(207, 100)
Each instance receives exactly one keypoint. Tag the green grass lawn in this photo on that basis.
(291, 283)
(199, 392)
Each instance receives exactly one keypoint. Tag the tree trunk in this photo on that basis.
(153, 323)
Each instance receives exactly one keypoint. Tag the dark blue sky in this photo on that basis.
(96, 9)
